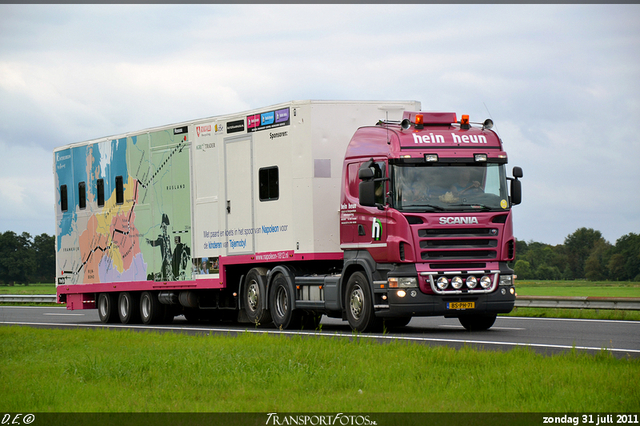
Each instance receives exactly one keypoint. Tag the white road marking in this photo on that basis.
(320, 334)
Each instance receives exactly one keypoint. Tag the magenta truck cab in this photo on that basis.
(426, 220)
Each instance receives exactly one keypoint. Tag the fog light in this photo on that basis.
(485, 281)
(456, 283)
(472, 282)
(401, 293)
(512, 290)
(442, 283)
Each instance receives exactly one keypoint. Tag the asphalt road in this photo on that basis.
(544, 335)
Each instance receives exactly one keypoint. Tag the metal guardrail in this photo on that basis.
(625, 303)
(27, 298)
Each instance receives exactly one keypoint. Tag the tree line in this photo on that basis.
(585, 254)
(25, 259)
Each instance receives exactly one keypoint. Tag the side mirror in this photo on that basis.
(516, 191)
(365, 173)
(366, 193)
(517, 172)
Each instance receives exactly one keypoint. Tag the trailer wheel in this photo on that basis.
(107, 308)
(359, 304)
(252, 294)
(281, 303)
(151, 310)
(128, 308)
(477, 322)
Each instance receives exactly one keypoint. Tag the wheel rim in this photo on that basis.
(146, 306)
(282, 302)
(356, 302)
(253, 293)
(124, 307)
(103, 306)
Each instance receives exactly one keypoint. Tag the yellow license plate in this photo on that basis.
(461, 305)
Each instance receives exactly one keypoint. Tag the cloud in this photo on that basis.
(560, 81)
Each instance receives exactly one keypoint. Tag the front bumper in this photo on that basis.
(390, 303)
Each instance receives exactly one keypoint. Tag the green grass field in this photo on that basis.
(28, 289)
(48, 370)
(578, 288)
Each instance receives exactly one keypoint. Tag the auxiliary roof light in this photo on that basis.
(431, 158)
(464, 122)
(480, 157)
(419, 121)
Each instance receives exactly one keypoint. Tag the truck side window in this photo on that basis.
(100, 192)
(64, 200)
(82, 195)
(268, 182)
(119, 190)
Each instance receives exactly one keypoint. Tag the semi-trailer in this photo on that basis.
(369, 211)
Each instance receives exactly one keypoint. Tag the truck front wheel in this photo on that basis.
(359, 304)
(107, 308)
(477, 322)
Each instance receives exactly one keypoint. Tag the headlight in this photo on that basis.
(472, 282)
(485, 281)
(403, 282)
(456, 283)
(442, 283)
(506, 280)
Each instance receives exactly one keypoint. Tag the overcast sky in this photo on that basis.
(561, 82)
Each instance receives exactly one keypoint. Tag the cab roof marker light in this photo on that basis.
(431, 158)
(480, 157)
(464, 122)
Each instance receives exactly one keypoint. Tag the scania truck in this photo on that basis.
(372, 212)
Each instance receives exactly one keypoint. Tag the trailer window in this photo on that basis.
(82, 195)
(268, 181)
(119, 190)
(64, 201)
(100, 192)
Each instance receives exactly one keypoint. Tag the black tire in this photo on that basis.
(107, 310)
(477, 322)
(359, 304)
(281, 303)
(129, 308)
(252, 294)
(151, 310)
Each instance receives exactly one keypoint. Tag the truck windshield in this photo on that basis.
(450, 187)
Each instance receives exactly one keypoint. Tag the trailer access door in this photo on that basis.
(238, 159)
